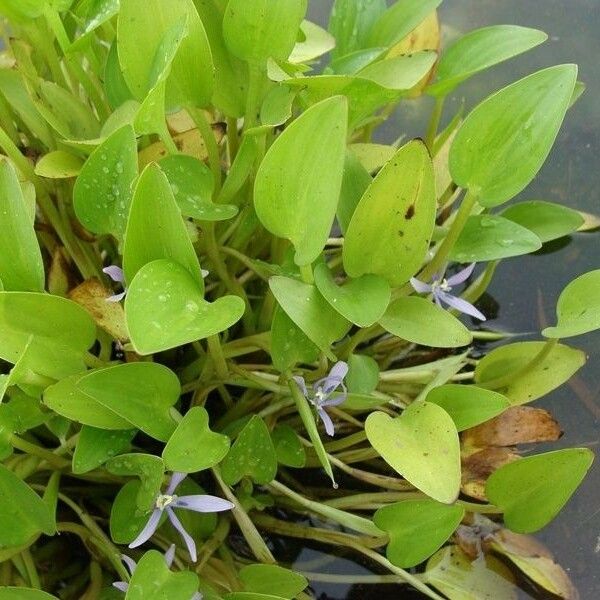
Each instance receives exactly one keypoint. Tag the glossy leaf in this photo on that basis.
(420, 321)
(468, 405)
(557, 368)
(547, 220)
(479, 50)
(578, 307)
(305, 306)
(532, 490)
(193, 446)
(394, 219)
(421, 445)
(165, 308)
(355, 182)
(489, 237)
(58, 165)
(314, 42)
(272, 580)
(256, 30)
(96, 446)
(417, 529)
(288, 447)
(298, 183)
(289, 344)
(504, 141)
(126, 520)
(21, 265)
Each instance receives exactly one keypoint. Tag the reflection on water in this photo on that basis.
(526, 288)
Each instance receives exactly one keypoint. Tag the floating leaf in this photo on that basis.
(422, 445)
(547, 220)
(468, 405)
(252, 455)
(272, 580)
(578, 307)
(96, 446)
(479, 50)
(58, 165)
(420, 321)
(531, 491)
(503, 143)
(193, 446)
(288, 447)
(298, 183)
(541, 378)
(417, 528)
(21, 265)
(394, 219)
(165, 308)
(362, 301)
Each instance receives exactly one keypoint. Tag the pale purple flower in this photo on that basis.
(440, 289)
(321, 395)
(117, 275)
(168, 501)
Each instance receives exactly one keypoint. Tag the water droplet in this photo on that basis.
(192, 306)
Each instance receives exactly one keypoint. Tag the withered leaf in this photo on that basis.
(479, 465)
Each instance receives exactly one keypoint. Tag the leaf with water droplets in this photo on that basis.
(96, 446)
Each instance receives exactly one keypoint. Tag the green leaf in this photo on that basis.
(578, 307)
(556, 369)
(99, 12)
(394, 219)
(277, 108)
(479, 50)
(363, 374)
(272, 580)
(355, 182)
(58, 165)
(192, 185)
(103, 190)
(153, 579)
(288, 447)
(417, 529)
(145, 24)
(289, 344)
(399, 20)
(420, 321)
(193, 446)
(126, 520)
(115, 86)
(504, 141)
(165, 308)
(489, 237)
(532, 490)
(313, 42)
(21, 265)
(24, 514)
(20, 593)
(362, 301)
(150, 390)
(298, 183)
(547, 220)
(156, 229)
(252, 455)
(256, 30)
(422, 445)
(96, 446)
(305, 306)
(468, 405)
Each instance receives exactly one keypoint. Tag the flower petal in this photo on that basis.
(176, 479)
(129, 563)
(461, 276)
(203, 503)
(301, 384)
(187, 538)
(148, 530)
(117, 297)
(339, 370)
(170, 555)
(462, 305)
(115, 273)
(329, 428)
(419, 286)
(121, 586)
(196, 596)
(334, 401)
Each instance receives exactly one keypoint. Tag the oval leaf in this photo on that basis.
(96, 446)
(272, 580)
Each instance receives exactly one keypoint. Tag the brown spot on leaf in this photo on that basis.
(410, 212)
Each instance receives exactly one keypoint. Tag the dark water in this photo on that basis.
(526, 288)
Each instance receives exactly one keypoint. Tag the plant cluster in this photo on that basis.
(225, 310)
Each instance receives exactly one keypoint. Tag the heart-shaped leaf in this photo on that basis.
(103, 190)
(561, 363)
(252, 455)
(141, 393)
(288, 447)
(306, 307)
(420, 321)
(394, 219)
(489, 237)
(503, 143)
(272, 580)
(362, 301)
(578, 307)
(155, 228)
(193, 446)
(532, 490)
(468, 405)
(165, 308)
(417, 529)
(96, 446)
(422, 445)
(289, 345)
(21, 265)
(298, 183)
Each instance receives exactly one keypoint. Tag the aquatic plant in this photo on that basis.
(313, 381)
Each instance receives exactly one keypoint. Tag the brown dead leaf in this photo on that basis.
(591, 222)
(110, 316)
(479, 465)
(59, 274)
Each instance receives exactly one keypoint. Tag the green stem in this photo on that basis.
(32, 574)
(212, 148)
(307, 274)
(33, 450)
(254, 97)
(434, 122)
(233, 138)
(482, 509)
(216, 353)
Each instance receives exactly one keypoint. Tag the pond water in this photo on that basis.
(525, 290)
